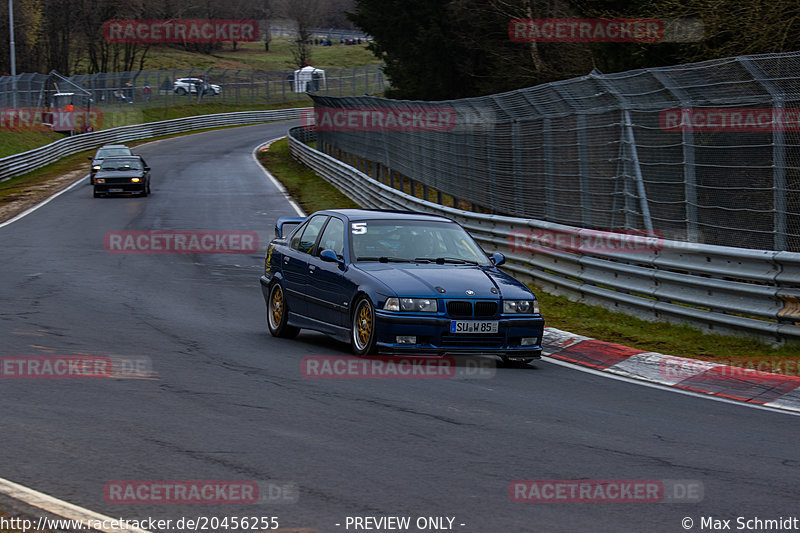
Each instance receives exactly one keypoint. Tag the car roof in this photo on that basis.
(381, 214)
(113, 146)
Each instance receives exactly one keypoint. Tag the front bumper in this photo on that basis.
(434, 337)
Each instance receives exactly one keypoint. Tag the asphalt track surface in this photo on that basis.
(229, 402)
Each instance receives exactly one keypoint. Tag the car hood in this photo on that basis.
(421, 280)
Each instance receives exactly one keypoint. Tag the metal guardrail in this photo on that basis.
(18, 164)
(718, 288)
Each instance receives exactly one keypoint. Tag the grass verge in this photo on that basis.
(560, 312)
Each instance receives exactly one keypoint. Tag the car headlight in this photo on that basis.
(423, 305)
(527, 307)
(96, 167)
(99, 180)
(135, 180)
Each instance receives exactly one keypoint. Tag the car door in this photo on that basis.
(295, 263)
(325, 279)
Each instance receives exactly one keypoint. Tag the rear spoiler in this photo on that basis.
(283, 221)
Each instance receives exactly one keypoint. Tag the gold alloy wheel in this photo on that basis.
(363, 326)
(276, 307)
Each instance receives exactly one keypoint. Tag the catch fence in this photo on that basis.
(704, 153)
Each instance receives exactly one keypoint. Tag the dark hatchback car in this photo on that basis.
(122, 175)
(397, 282)
(109, 150)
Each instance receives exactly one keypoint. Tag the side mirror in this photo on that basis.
(147, 169)
(90, 158)
(498, 259)
(329, 256)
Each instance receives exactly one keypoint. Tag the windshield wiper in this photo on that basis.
(384, 259)
(443, 260)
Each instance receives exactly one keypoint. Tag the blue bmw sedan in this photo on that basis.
(396, 282)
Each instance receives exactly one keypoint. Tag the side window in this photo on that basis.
(333, 237)
(298, 232)
(305, 242)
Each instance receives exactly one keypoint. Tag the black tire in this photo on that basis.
(180, 91)
(148, 188)
(145, 191)
(362, 329)
(278, 314)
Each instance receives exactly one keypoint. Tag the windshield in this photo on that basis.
(121, 164)
(112, 152)
(414, 241)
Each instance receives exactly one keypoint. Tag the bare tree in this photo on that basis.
(305, 14)
(265, 12)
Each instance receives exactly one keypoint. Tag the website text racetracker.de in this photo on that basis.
(377, 119)
(43, 119)
(181, 242)
(730, 119)
(198, 523)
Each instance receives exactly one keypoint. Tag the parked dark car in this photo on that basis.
(125, 174)
(397, 282)
(109, 150)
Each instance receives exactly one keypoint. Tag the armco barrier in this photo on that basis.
(717, 288)
(17, 164)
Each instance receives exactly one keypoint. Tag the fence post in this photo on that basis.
(549, 207)
(628, 141)
(687, 141)
(778, 154)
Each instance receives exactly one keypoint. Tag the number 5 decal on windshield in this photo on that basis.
(359, 228)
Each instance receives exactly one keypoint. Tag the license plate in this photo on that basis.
(115, 190)
(473, 326)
